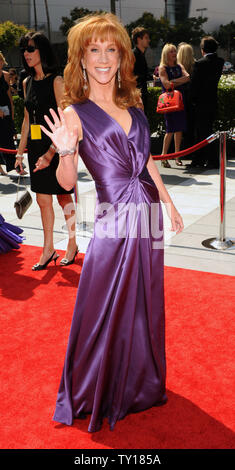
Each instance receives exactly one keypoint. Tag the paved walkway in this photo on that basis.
(195, 194)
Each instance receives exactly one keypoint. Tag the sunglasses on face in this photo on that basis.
(28, 49)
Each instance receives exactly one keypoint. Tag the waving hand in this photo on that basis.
(62, 138)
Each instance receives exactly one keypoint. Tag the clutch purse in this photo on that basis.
(23, 203)
(170, 102)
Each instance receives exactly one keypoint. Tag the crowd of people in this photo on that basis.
(41, 87)
(197, 80)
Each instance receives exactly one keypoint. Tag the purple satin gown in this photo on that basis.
(115, 360)
(10, 237)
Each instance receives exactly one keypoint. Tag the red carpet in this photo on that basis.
(36, 312)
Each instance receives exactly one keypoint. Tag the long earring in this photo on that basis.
(85, 78)
(119, 77)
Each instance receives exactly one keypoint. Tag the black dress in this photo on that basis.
(39, 99)
(204, 85)
(7, 130)
(141, 71)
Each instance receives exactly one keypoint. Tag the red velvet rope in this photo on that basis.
(182, 153)
(10, 150)
(169, 156)
(155, 157)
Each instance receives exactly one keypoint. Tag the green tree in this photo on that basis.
(10, 33)
(189, 31)
(157, 28)
(76, 13)
(226, 37)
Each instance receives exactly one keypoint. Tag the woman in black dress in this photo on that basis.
(43, 90)
(6, 119)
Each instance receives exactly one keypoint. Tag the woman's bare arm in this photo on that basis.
(176, 81)
(176, 219)
(66, 172)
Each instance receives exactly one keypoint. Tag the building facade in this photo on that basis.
(33, 13)
(216, 11)
(17, 11)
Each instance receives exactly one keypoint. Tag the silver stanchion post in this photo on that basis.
(221, 243)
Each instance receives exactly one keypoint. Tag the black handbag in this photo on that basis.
(23, 203)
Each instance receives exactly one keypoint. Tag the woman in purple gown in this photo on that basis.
(115, 360)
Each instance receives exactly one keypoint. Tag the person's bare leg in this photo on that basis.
(67, 205)
(166, 144)
(45, 203)
(177, 140)
(2, 172)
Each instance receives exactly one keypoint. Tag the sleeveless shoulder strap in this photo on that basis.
(28, 87)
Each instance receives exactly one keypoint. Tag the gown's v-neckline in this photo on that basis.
(114, 120)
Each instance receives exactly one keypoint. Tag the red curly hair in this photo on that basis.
(104, 26)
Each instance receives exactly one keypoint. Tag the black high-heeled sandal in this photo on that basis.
(165, 164)
(178, 162)
(39, 267)
(66, 262)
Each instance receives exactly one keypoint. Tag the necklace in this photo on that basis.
(41, 78)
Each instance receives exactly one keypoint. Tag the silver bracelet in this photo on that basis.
(52, 146)
(64, 152)
(18, 155)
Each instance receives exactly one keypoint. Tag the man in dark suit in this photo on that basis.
(206, 74)
(141, 39)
